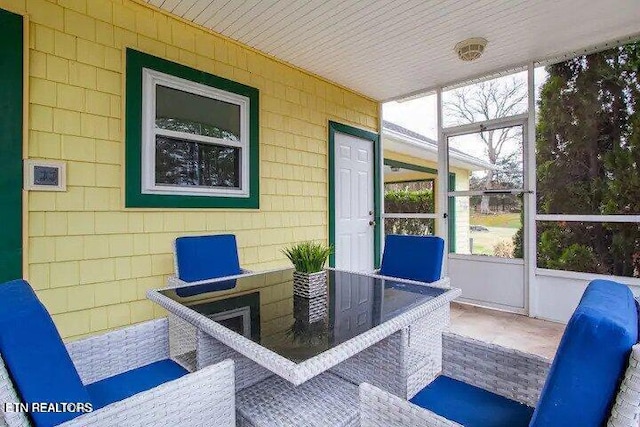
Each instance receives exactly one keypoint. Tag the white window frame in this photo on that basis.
(150, 80)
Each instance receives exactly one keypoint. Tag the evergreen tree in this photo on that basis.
(588, 162)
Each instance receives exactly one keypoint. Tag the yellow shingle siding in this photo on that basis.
(90, 259)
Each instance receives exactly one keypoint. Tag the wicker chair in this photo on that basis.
(203, 260)
(525, 380)
(131, 364)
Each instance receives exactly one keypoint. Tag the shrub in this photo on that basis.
(504, 249)
(409, 201)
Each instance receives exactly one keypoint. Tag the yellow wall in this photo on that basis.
(90, 259)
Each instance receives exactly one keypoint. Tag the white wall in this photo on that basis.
(489, 281)
(556, 293)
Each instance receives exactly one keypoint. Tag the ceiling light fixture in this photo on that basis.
(470, 49)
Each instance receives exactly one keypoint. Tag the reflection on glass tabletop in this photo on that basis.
(263, 308)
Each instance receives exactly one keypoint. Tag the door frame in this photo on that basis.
(335, 127)
(527, 199)
(23, 149)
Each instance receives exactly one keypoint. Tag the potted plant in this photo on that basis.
(309, 277)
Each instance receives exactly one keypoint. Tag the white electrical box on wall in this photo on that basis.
(45, 175)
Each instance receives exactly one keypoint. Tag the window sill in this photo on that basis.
(141, 200)
(576, 275)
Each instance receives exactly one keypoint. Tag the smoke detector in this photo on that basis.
(470, 49)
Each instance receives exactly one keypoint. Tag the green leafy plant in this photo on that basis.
(308, 257)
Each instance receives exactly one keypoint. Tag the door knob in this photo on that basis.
(372, 223)
(370, 212)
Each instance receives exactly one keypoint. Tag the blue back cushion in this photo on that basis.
(35, 355)
(189, 291)
(207, 257)
(591, 359)
(413, 257)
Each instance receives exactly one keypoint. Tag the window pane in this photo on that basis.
(414, 226)
(588, 134)
(409, 197)
(496, 232)
(186, 163)
(501, 97)
(186, 112)
(588, 247)
(493, 158)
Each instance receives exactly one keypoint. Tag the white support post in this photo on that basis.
(381, 177)
(529, 243)
(442, 206)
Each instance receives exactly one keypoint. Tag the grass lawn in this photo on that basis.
(485, 241)
(503, 220)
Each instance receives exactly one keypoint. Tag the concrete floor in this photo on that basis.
(507, 329)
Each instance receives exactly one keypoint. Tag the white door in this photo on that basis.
(354, 210)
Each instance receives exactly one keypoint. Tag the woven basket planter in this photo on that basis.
(310, 285)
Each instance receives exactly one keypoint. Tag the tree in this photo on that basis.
(485, 101)
(588, 161)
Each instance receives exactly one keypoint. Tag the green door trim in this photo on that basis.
(452, 214)
(11, 135)
(375, 139)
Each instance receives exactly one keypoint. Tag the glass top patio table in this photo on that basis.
(258, 315)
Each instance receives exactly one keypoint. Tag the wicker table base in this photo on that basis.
(323, 401)
(403, 363)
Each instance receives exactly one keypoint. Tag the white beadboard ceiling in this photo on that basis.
(391, 48)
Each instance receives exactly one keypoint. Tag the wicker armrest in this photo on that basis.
(507, 372)
(175, 282)
(115, 352)
(202, 398)
(381, 409)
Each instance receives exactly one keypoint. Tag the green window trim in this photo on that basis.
(134, 198)
(410, 166)
(451, 202)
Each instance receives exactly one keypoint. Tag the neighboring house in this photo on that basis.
(410, 156)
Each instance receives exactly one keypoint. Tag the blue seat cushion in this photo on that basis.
(119, 387)
(222, 285)
(207, 257)
(413, 257)
(36, 358)
(591, 358)
(471, 406)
